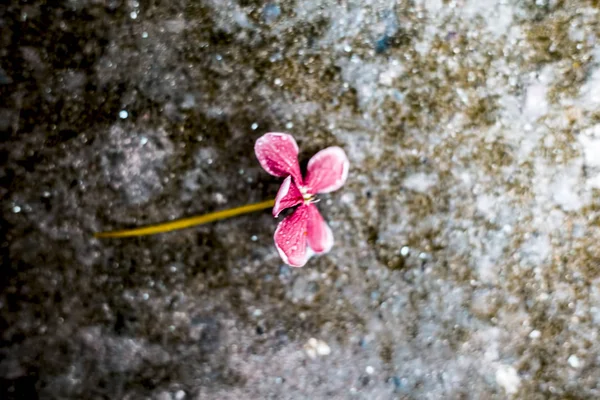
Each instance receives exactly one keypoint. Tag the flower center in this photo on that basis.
(307, 197)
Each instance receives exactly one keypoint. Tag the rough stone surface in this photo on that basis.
(467, 255)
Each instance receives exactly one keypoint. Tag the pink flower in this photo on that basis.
(304, 232)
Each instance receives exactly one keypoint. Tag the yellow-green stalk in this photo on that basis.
(187, 222)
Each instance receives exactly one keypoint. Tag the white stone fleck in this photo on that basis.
(534, 334)
(180, 395)
(420, 182)
(508, 379)
(316, 347)
(573, 361)
(220, 198)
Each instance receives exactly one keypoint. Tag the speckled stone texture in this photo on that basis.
(467, 254)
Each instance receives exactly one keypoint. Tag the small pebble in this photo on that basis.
(315, 347)
(220, 198)
(16, 209)
(133, 15)
(323, 348)
(574, 361)
(404, 251)
(145, 35)
(278, 82)
(254, 126)
(369, 370)
(535, 334)
(254, 238)
(180, 395)
(123, 114)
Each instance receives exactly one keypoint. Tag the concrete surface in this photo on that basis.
(467, 255)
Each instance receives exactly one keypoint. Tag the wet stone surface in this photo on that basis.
(467, 255)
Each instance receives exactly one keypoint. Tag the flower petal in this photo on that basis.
(288, 196)
(320, 237)
(277, 153)
(327, 170)
(290, 238)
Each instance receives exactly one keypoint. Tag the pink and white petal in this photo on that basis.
(277, 153)
(290, 238)
(288, 196)
(327, 170)
(320, 237)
